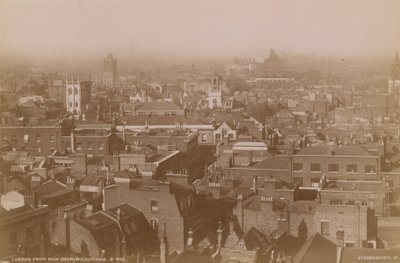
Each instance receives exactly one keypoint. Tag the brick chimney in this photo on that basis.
(339, 244)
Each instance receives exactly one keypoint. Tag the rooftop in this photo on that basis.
(335, 150)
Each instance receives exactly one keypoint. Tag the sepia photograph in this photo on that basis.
(200, 131)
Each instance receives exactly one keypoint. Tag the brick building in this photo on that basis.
(308, 218)
(117, 232)
(21, 231)
(310, 164)
(38, 140)
(161, 203)
(160, 108)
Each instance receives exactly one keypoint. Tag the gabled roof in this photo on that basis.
(315, 250)
(254, 239)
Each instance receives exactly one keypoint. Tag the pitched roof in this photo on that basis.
(316, 249)
(276, 162)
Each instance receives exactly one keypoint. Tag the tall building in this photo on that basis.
(214, 97)
(56, 90)
(110, 70)
(394, 80)
(77, 93)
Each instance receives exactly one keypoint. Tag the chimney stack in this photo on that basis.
(339, 243)
(219, 233)
(255, 178)
(189, 244)
(88, 210)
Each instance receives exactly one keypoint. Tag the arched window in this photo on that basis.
(154, 225)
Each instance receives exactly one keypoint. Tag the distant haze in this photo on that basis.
(198, 28)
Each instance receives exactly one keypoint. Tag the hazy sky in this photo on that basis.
(195, 28)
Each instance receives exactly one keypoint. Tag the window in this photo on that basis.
(389, 183)
(333, 167)
(39, 150)
(154, 225)
(4, 138)
(325, 228)
(79, 146)
(298, 180)
(70, 104)
(204, 137)
(76, 104)
(37, 138)
(336, 202)
(101, 146)
(173, 113)
(315, 167)
(13, 238)
(51, 138)
(13, 138)
(26, 138)
(266, 198)
(153, 205)
(350, 244)
(29, 233)
(297, 166)
(90, 146)
(351, 168)
(315, 182)
(370, 168)
(70, 91)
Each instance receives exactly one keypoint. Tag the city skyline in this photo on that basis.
(207, 29)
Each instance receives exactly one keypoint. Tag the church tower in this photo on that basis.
(110, 70)
(214, 98)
